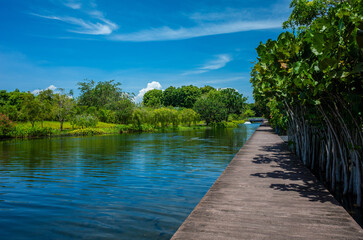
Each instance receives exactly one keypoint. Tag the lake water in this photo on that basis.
(131, 186)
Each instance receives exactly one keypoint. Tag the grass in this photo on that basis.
(52, 128)
(66, 125)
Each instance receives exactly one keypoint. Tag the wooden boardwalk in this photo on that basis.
(266, 193)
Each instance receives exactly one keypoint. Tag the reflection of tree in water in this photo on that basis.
(134, 183)
(110, 153)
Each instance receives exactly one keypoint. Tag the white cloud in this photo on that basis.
(150, 86)
(72, 4)
(37, 91)
(166, 33)
(93, 22)
(102, 27)
(218, 63)
(220, 15)
(215, 64)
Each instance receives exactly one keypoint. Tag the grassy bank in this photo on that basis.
(51, 129)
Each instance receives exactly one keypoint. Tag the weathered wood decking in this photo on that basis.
(266, 193)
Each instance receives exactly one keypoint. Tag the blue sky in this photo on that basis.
(143, 44)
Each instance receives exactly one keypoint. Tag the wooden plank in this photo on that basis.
(266, 193)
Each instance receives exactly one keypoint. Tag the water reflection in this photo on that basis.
(136, 186)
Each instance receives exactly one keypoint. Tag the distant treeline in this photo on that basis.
(106, 102)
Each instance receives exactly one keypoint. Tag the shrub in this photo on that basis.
(6, 125)
(86, 132)
(222, 124)
(39, 132)
(25, 131)
(235, 123)
(136, 128)
(210, 108)
(188, 116)
(233, 117)
(85, 120)
(249, 113)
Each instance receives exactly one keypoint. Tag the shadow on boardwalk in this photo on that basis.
(266, 193)
(292, 169)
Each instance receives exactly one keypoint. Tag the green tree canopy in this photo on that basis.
(233, 100)
(100, 95)
(153, 98)
(63, 107)
(210, 108)
(310, 84)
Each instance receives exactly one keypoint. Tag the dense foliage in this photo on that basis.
(106, 102)
(309, 84)
(6, 125)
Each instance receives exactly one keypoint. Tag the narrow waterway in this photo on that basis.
(131, 186)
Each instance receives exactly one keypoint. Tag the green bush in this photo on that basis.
(107, 116)
(188, 116)
(222, 124)
(86, 132)
(233, 117)
(210, 108)
(6, 125)
(136, 128)
(249, 113)
(85, 120)
(39, 131)
(24, 131)
(235, 123)
(19, 132)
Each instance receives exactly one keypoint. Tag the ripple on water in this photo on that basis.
(136, 186)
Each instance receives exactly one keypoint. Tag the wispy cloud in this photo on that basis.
(218, 63)
(104, 27)
(150, 86)
(230, 13)
(214, 64)
(166, 33)
(94, 22)
(72, 4)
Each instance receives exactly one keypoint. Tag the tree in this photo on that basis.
(152, 98)
(206, 89)
(105, 115)
(63, 107)
(100, 95)
(162, 116)
(187, 116)
(4, 97)
(14, 105)
(85, 120)
(305, 11)
(169, 97)
(174, 117)
(310, 85)
(6, 125)
(141, 116)
(233, 101)
(123, 109)
(210, 108)
(88, 95)
(188, 95)
(31, 109)
(45, 98)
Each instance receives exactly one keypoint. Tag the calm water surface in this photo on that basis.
(135, 186)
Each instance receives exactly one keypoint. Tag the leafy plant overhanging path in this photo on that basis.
(266, 193)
